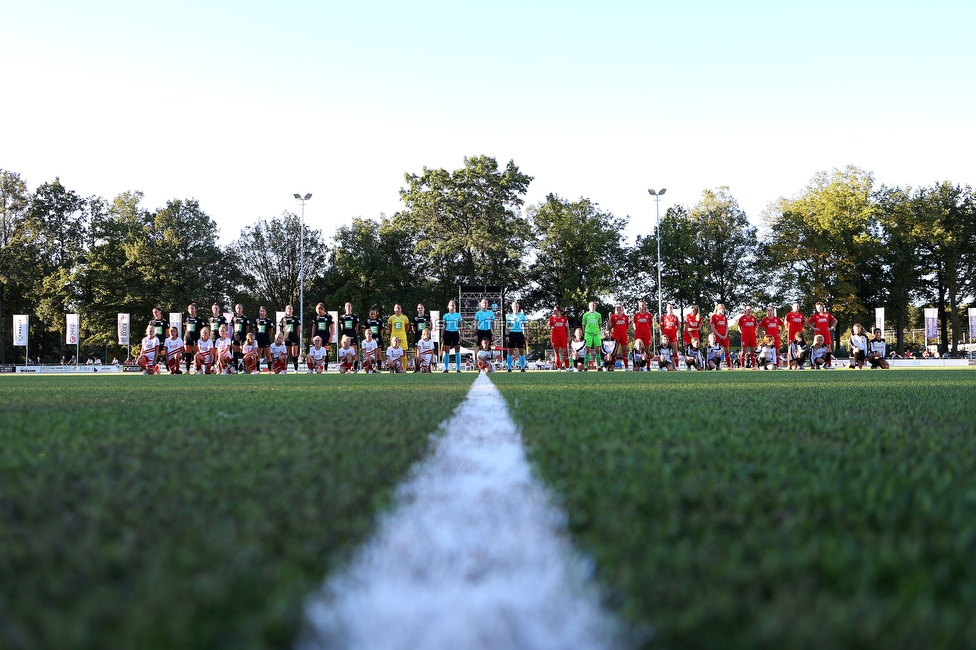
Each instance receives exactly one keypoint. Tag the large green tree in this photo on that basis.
(372, 264)
(57, 233)
(467, 225)
(900, 234)
(708, 254)
(579, 250)
(825, 242)
(946, 214)
(270, 256)
(15, 254)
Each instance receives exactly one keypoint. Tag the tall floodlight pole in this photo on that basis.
(657, 209)
(301, 271)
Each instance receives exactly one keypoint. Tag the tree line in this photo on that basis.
(842, 240)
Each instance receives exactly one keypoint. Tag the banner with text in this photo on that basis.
(123, 329)
(931, 323)
(176, 320)
(21, 322)
(879, 319)
(435, 331)
(72, 332)
(972, 322)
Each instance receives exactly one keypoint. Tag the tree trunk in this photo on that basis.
(3, 339)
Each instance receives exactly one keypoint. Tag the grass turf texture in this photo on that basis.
(768, 509)
(193, 512)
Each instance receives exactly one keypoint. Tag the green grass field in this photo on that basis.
(769, 509)
(193, 512)
(733, 510)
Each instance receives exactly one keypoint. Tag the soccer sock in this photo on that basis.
(295, 360)
(522, 361)
(509, 362)
(587, 364)
(186, 360)
(626, 362)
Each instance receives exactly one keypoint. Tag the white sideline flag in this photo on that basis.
(879, 319)
(335, 319)
(435, 332)
(73, 329)
(21, 322)
(123, 329)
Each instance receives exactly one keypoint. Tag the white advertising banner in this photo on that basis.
(435, 332)
(879, 319)
(55, 370)
(335, 333)
(176, 320)
(124, 329)
(73, 330)
(21, 322)
(972, 322)
(278, 328)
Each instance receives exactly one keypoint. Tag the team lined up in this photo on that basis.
(243, 344)
(610, 342)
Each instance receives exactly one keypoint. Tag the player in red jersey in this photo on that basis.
(669, 327)
(822, 323)
(747, 327)
(719, 323)
(559, 334)
(642, 325)
(693, 323)
(795, 320)
(771, 325)
(620, 323)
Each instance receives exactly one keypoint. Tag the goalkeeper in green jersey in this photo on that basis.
(592, 326)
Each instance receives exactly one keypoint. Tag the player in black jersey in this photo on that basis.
(240, 326)
(159, 326)
(418, 324)
(194, 324)
(322, 326)
(215, 320)
(291, 327)
(263, 329)
(375, 326)
(349, 326)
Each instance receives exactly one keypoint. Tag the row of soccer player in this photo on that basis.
(400, 326)
(217, 356)
(642, 323)
(767, 355)
(265, 331)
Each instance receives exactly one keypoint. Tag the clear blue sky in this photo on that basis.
(243, 104)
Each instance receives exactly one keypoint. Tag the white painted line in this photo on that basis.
(474, 556)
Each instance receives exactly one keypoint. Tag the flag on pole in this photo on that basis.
(972, 322)
(123, 329)
(931, 323)
(176, 320)
(879, 319)
(435, 318)
(21, 322)
(74, 327)
(335, 319)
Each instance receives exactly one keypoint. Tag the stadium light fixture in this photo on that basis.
(657, 206)
(301, 269)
